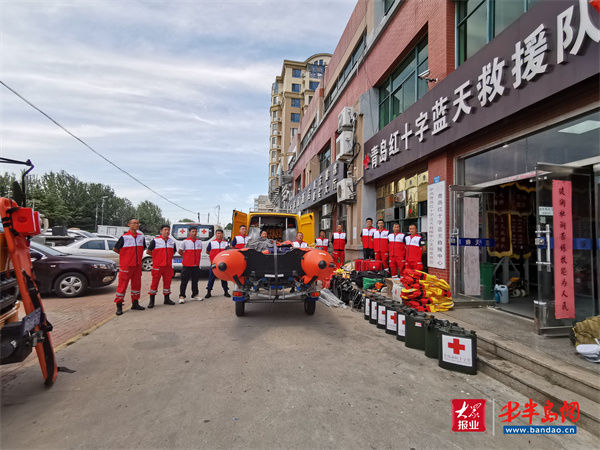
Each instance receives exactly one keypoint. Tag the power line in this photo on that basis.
(92, 149)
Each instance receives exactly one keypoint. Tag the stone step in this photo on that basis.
(574, 378)
(540, 389)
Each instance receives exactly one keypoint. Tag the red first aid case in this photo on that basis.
(362, 265)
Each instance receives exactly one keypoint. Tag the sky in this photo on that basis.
(175, 92)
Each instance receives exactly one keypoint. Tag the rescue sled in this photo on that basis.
(19, 337)
(280, 274)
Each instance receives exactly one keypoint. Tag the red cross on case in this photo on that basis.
(456, 346)
(393, 317)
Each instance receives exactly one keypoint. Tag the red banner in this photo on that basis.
(564, 292)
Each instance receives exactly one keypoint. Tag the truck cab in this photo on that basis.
(280, 227)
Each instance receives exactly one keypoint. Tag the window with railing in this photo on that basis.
(403, 87)
(479, 21)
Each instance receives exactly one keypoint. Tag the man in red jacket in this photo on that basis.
(130, 248)
(415, 246)
(339, 246)
(215, 247)
(367, 239)
(380, 243)
(191, 254)
(162, 248)
(397, 250)
(242, 239)
(322, 243)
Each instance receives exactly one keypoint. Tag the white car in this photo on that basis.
(94, 247)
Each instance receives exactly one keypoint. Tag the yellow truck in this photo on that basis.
(279, 226)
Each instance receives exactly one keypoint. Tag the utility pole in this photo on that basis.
(96, 226)
(218, 214)
(103, 198)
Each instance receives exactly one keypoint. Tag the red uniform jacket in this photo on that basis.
(380, 240)
(131, 249)
(192, 252)
(162, 251)
(240, 241)
(397, 246)
(367, 237)
(414, 252)
(322, 244)
(339, 241)
(215, 247)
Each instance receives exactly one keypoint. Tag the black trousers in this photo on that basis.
(368, 253)
(189, 274)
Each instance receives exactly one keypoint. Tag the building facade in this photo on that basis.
(478, 121)
(291, 94)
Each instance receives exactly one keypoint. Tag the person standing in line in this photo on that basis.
(380, 243)
(213, 248)
(397, 248)
(130, 248)
(242, 239)
(162, 248)
(322, 243)
(367, 239)
(339, 242)
(191, 255)
(415, 246)
(299, 242)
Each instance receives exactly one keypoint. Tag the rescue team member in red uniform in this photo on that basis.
(322, 243)
(415, 245)
(242, 239)
(339, 246)
(381, 243)
(213, 249)
(161, 249)
(299, 243)
(397, 248)
(130, 248)
(191, 254)
(367, 239)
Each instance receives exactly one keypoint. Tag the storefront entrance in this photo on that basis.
(529, 243)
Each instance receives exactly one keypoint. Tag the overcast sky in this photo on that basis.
(176, 92)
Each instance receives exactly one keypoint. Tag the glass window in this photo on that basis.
(294, 131)
(296, 73)
(324, 159)
(295, 117)
(312, 85)
(295, 87)
(479, 21)
(403, 87)
(274, 100)
(273, 140)
(111, 244)
(295, 103)
(93, 245)
(387, 4)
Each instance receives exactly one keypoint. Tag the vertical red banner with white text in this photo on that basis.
(564, 292)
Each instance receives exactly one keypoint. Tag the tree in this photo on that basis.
(229, 226)
(186, 220)
(150, 217)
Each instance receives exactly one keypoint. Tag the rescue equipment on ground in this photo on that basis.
(391, 322)
(415, 330)
(457, 350)
(382, 314)
(425, 292)
(433, 327)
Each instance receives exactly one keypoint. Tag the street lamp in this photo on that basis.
(102, 217)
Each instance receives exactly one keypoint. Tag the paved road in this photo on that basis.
(195, 375)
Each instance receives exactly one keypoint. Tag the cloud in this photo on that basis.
(177, 93)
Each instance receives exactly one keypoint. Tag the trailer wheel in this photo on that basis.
(239, 308)
(310, 306)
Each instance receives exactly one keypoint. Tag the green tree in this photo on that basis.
(229, 226)
(150, 216)
(186, 220)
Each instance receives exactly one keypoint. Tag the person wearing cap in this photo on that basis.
(322, 243)
(339, 241)
(367, 239)
(213, 248)
(130, 248)
(191, 255)
(241, 240)
(162, 248)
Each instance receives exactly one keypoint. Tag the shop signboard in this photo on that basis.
(322, 188)
(436, 229)
(564, 292)
(549, 49)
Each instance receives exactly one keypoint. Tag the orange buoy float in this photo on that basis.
(229, 265)
(317, 264)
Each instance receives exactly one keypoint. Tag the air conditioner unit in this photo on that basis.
(325, 224)
(277, 133)
(344, 146)
(345, 190)
(346, 119)
(326, 211)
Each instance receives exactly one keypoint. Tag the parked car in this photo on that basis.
(94, 247)
(68, 275)
(107, 236)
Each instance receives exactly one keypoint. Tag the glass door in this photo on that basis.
(471, 271)
(564, 242)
